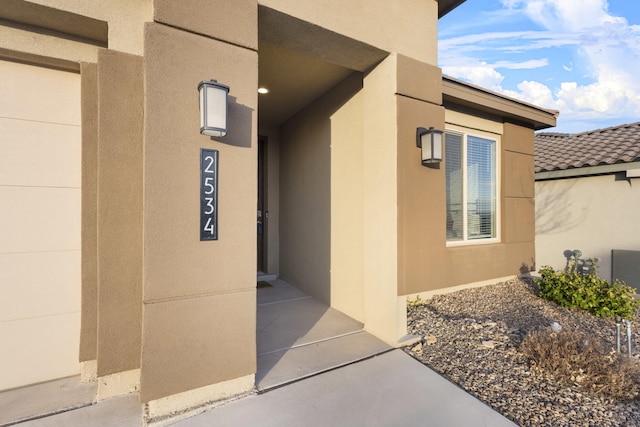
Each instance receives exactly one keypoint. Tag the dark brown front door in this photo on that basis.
(262, 214)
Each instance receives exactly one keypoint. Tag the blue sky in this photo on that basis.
(580, 57)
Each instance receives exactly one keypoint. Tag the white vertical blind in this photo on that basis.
(470, 168)
(481, 186)
(454, 178)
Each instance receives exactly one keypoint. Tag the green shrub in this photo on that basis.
(575, 358)
(588, 292)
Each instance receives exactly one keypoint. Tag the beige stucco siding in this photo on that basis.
(321, 194)
(89, 327)
(125, 29)
(191, 343)
(383, 317)
(421, 190)
(305, 197)
(119, 218)
(39, 224)
(445, 266)
(232, 21)
(413, 31)
(594, 214)
(185, 278)
(347, 233)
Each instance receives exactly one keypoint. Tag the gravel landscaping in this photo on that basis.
(471, 337)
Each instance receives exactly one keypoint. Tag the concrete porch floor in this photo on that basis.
(297, 337)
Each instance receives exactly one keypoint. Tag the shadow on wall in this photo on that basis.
(239, 134)
(556, 210)
(525, 268)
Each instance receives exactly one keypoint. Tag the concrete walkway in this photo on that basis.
(391, 389)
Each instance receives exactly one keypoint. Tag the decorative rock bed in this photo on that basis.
(471, 337)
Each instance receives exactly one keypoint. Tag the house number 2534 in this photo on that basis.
(208, 194)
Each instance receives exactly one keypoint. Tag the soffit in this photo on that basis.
(294, 80)
(299, 61)
(446, 6)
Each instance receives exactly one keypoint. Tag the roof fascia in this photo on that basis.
(468, 95)
(589, 171)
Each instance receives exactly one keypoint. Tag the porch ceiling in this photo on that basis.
(299, 61)
(294, 80)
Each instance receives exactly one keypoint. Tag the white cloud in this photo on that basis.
(535, 93)
(608, 49)
(523, 65)
(480, 74)
(568, 15)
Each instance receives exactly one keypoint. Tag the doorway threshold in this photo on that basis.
(264, 277)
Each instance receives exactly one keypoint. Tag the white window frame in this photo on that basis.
(465, 133)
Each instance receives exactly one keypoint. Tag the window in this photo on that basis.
(471, 187)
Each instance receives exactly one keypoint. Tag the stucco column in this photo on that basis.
(199, 297)
(385, 314)
(119, 222)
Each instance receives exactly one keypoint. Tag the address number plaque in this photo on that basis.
(208, 194)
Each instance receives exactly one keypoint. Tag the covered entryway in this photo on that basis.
(40, 151)
(329, 111)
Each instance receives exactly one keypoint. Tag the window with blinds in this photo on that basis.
(470, 168)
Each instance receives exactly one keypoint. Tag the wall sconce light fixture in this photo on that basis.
(430, 141)
(213, 108)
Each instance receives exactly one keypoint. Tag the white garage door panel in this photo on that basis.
(40, 195)
(35, 350)
(39, 154)
(39, 94)
(49, 289)
(39, 219)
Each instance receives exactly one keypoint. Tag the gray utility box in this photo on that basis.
(625, 266)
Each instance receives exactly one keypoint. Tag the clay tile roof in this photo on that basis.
(618, 144)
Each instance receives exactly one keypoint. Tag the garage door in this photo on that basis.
(39, 224)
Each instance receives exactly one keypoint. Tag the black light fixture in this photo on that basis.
(213, 108)
(430, 141)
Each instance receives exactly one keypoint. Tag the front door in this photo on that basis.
(262, 215)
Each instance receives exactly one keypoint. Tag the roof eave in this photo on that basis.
(446, 6)
(467, 95)
(590, 171)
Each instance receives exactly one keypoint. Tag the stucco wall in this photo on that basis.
(421, 190)
(321, 198)
(445, 266)
(593, 214)
(413, 31)
(347, 185)
(89, 232)
(305, 198)
(192, 288)
(125, 29)
(119, 215)
(383, 317)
